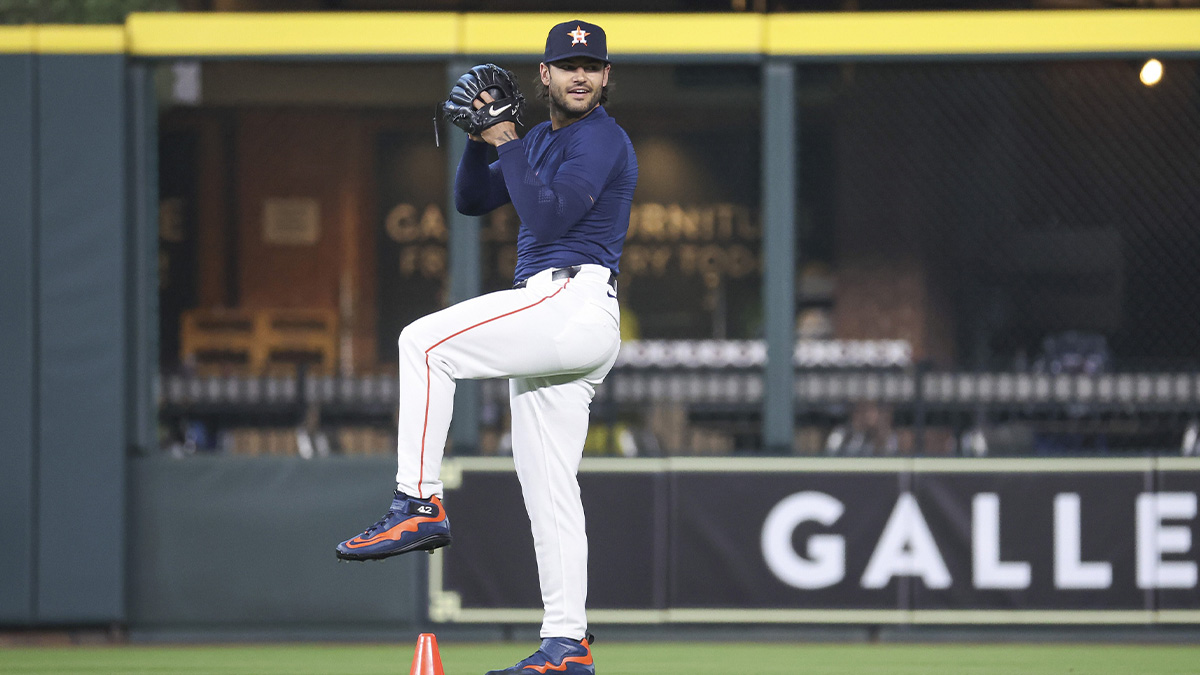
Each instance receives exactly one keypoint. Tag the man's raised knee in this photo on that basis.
(411, 338)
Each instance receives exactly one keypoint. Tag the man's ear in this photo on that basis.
(544, 73)
(604, 80)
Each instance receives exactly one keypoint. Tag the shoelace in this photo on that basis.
(372, 529)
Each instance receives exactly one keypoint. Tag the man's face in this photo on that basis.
(575, 84)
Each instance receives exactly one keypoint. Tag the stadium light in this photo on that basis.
(1152, 72)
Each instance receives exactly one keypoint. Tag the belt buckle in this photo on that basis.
(565, 272)
(569, 273)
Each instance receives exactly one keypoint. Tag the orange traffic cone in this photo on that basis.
(427, 661)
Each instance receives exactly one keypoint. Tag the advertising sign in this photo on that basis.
(827, 540)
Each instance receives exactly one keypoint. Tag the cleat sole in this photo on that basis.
(429, 543)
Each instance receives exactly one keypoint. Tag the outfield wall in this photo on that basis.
(63, 350)
(244, 547)
(222, 545)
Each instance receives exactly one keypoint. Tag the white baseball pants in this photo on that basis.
(555, 340)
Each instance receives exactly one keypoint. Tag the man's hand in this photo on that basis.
(496, 135)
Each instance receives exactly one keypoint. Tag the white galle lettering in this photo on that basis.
(988, 571)
(906, 548)
(826, 561)
(1069, 569)
(1154, 539)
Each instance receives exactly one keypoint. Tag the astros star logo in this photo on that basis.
(578, 36)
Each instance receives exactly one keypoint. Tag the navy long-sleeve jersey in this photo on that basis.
(572, 189)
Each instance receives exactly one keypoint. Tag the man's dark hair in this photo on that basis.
(543, 91)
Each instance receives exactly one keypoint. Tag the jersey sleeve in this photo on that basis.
(478, 186)
(550, 209)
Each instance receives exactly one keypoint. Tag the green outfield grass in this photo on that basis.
(617, 659)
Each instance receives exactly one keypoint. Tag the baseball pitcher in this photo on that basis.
(555, 334)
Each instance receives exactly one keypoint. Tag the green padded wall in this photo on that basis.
(81, 341)
(17, 338)
(246, 544)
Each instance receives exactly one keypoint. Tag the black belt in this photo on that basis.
(569, 273)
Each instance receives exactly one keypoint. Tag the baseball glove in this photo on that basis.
(507, 105)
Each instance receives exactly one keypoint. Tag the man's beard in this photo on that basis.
(559, 103)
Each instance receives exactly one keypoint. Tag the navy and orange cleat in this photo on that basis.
(556, 656)
(410, 524)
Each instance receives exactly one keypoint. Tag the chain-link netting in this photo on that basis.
(1030, 229)
(1027, 211)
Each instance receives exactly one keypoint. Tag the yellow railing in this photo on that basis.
(63, 39)
(824, 35)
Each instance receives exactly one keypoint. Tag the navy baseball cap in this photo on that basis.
(576, 38)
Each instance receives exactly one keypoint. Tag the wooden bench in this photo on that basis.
(294, 337)
(255, 342)
(220, 341)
